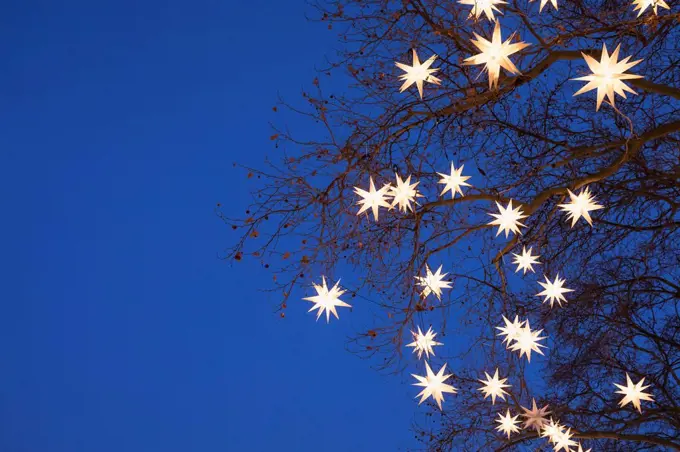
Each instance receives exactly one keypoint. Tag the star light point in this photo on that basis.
(508, 423)
(486, 7)
(418, 73)
(525, 261)
(494, 387)
(404, 193)
(563, 441)
(508, 219)
(554, 291)
(527, 341)
(494, 55)
(607, 76)
(545, 2)
(511, 330)
(434, 385)
(535, 417)
(373, 199)
(423, 342)
(642, 5)
(633, 393)
(327, 300)
(580, 206)
(433, 282)
(454, 181)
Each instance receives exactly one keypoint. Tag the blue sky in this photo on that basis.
(120, 329)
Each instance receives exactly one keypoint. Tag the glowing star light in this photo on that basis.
(480, 7)
(552, 430)
(404, 193)
(608, 75)
(508, 423)
(433, 282)
(418, 73)
(511, 330)
(494, 387)
(545, 2)
(494, 55)
(373, 199)
(527, 341)
(642, 5)
(580, 449)
(633, 393)
(563, 441)
(508, 219)
(434, 385)
(424, 342)
(525, 261)
(327, 300)
(454, 181)
(580, 206)
(535, 417)
(553, 290)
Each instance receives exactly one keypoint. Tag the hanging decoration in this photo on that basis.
(418, 73)
(525, 261)
(494, 387)
(554, 291)
(535, 417)
(434, 385)
(327, 300)
(433, 282)
(508, 423)
(454, 181)
(373, 199)
(580, 206)
(508, 219)
(423, 343)
(486, 7)
(527, 341)
(642, 5)
(404, 193)
(633, 393)
(511, 330)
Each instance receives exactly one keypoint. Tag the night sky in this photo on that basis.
(121, 329)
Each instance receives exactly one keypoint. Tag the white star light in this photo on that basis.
(545, 2)
(580, 206)
(508, 219)
(527, 341)
(373, 199)
(480, 7)
(404, 193)
(552, 430)
(434, 385)
(508, 423)
(494, 55)
(633, 393)
(525, 261)
(511, 330)
(580, 449)
(424, 342)
(608, 75)
(418, 73)
(327, 300)
(554, 290)
(642, 5)
(454, 181)
(535, 417)
(494, 387)
(433, 283)
(563, 440)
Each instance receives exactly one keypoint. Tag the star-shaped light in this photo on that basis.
(480, 7)
(424, 342)
(434, 385)
(563, 440)
(545, 2)
(508, 423)
(433, 282)
(527, 341)
(454, 181)
(580, 206)
(525, 261)
(633, 393)
(642, 5)
(494, 55)
(373, 199)
(511, 330)
(404, 193)
(418, 73)
(508, 219)
(494, 387)
(327, 300)
(552, 430)
(535, 417)
(608, 75)
(580, 449)
(554, 290)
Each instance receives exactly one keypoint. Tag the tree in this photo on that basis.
(528, 140)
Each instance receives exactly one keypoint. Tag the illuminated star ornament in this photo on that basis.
(580, 206)
(511, 330)
(642, 5)
(527, 341)
(423, 342)
(608, 75)
(580, 449)
(525, 261)
(563, 441)
(404, 193)
(554, 291)
(545, 2)
(494, 387)
(535, 417)
(508, 423)
(494, 55)
(433, 282)
(508, 219)
(633, 393)
(434, 385)
(327, 300)
(373, 199)
(418, 73)
(480, 7)
(454, 181)
(552, 430)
